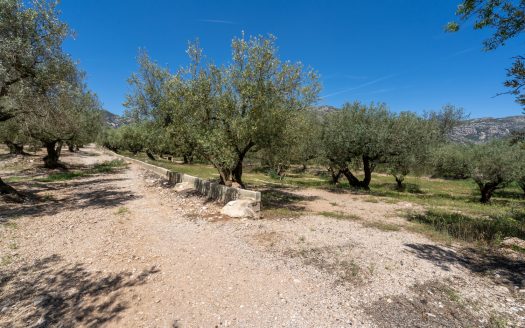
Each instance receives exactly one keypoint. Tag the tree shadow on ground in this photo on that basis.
(50, 292)
(273, 198)
(428, 305)
(501, 268)
(409, 188)
(92, 192)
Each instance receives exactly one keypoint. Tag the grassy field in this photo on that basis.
(460, 196)
(453, 207)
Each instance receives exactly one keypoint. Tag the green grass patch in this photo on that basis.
(489, 230)
(339, 215)
(436, 194)
(62, 176)
(10, 224)
(108, 166)
(16, 179)
(278, 213)
(122, 210)
(382, 226)
(100, 168)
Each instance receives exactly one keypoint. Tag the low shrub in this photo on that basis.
(490, 230)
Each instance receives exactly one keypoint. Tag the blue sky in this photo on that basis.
(392, 51)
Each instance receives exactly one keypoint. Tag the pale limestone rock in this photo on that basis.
(242, 208)
(183, 187)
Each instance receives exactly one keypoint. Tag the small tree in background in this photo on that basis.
(300, 143)
(495, 165)
(410, 146)
(11, 133)
(358, 135)
(451, 161)
(445, 120)
(61, 113)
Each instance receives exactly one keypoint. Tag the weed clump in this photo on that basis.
(491, 230)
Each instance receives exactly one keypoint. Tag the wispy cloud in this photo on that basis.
(459, 53)
(344, 76)
(383, 78)
(216, 21)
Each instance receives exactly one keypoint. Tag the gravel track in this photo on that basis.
(125, 250)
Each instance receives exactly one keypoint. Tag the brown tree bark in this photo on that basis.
(73, 148)
(10, 192)
(368, 168)
(150, 155)
(399, 180)
(14, 148)
(336, 175)
(53, 149)
(487, 190)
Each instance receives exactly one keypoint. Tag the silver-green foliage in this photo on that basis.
(30, 51)
(226, 111)
(493, 165)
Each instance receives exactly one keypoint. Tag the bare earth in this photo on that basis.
(124, 250)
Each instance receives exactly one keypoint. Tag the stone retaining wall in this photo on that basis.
(206, 188)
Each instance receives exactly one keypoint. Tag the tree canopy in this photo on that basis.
(507, 20)
(224, 112)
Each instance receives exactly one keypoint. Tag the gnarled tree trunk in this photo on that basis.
(73, 148)
(487, 190)
(150, 155)
(399, 181)
(10, 192)
(230, 177)
(187, 158)
(336, 175)
(225, 176)
(14, 148)
(368, 168)
(53, 149)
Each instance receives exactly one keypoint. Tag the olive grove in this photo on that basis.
(43, 99)
(223, 112)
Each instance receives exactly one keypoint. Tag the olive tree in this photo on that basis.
(359, 135)
(62, 113)
(445, 120)
(492, 166)
(226, 111)
(308, 127)
(410, 145)
(451, 161)
(153, 96)
(11, 134)
(495, 165)
(30, 41)
(300, 143)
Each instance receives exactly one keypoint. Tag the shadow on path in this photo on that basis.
(93, 192)
(282, 198)
(50, 292)
(502, 268)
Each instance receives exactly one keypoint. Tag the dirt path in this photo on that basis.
(124, 250)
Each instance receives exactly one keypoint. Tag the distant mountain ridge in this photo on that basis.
(471, 131)
(112, 120)
(484, 129)
(476, 130)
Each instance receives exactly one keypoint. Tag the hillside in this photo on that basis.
(474, 130)
(113, 120)
(483, 129)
